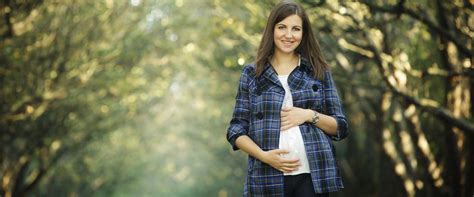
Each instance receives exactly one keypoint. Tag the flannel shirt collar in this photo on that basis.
(296, 77)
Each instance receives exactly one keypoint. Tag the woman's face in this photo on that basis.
(288, 33)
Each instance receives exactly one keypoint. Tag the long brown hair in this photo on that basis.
(308, 48)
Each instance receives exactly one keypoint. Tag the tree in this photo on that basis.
(394, 44)
(71, 73)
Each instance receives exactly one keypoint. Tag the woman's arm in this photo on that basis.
(294, 116)
(326, 123)
(333, 123)
(334, 107)
(239, 123)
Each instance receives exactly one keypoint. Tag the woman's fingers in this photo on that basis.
(286, 127)
(286, 123)
(289, 167)
(282, 164)
(290, 161)
(285, 112)
(280, 151)
(291, 117)
(287, 170)
(285, 118)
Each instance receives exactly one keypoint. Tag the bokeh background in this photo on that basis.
(133, 97)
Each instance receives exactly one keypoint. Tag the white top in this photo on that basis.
(291, 139)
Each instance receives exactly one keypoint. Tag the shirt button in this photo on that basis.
(259, 115)
(315, 87)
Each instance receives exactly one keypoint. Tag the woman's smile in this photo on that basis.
(287, 43)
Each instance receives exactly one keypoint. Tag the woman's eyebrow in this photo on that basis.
(281, 24)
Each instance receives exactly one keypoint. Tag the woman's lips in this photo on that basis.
(287, 43)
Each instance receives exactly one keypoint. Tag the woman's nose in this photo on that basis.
(288, 34)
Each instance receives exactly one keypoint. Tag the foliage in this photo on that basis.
(126, 98)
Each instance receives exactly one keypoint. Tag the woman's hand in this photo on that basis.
(294, 116)
(273, 158)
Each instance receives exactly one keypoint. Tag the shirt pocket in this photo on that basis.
(310, 96)
(318, 141)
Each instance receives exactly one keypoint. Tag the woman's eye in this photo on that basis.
(281, 27)
(297, 29)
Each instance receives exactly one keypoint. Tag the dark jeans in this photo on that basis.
(300, 186)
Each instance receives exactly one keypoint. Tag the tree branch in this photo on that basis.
(314, 4)
(7, 18)
(438, 112)
(401, 9)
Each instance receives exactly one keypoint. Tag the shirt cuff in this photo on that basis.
(341, 132)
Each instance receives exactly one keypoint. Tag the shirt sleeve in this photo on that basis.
(334, 107)
(239, 124)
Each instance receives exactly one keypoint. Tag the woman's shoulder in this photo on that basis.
(249, 70)
(327, 75)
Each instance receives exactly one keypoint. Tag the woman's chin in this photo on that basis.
(287, 50)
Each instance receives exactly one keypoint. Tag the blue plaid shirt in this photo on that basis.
(257, 115)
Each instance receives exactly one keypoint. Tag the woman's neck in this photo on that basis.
(280, 59)
(284, 63)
